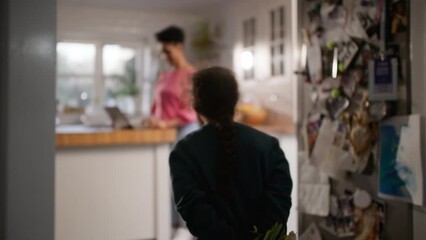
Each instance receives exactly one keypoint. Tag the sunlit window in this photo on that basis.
(119, 71)
(75, 73)
(87, 76)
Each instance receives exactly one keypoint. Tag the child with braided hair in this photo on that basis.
(228, 177)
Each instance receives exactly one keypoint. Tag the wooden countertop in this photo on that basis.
(80, 136)
(275, 129)
(276, 124)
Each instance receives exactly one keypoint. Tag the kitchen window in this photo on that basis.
(277, 44)
(119, 72)
(75, 74)
(96, 73)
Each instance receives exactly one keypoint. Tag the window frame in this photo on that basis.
(99, 91)
(278, 40)
(249, 39)
(79, 75)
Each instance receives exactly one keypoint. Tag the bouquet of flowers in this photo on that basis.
(277, 232)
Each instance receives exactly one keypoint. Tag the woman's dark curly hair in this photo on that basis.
(171, 34)
(215, 92)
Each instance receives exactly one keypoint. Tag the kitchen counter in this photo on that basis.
(112, 184)
(281, 129)
(81, 136)
(276, 124)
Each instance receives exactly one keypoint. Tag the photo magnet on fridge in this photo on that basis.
(383, 80)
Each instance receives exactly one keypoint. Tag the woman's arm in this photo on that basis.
(158, 123)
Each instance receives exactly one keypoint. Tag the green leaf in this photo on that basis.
(276, 230)
(268, 235)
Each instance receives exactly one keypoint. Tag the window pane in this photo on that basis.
(76, 58)
(282, 22)
(272, 25)
(281, 17)
(74, 91)
(253, 31)
(118, 59)
(249, 33)
(119, 70)
(75, 69)
(245, 34)
(277, 18)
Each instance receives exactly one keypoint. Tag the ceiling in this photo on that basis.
(149, 4)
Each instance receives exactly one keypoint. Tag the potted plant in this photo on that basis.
(127, 95)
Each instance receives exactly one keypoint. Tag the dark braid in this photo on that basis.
(215, 93)
(226, 167)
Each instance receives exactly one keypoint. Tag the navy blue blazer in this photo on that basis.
(261, 185)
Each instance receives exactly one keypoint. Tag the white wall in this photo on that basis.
(131, 27)
(125, 25)
(418, 87)
(223, 16)
(118, 25)
(289, 146)
(264, 86)
(27, 108)
(106, 193)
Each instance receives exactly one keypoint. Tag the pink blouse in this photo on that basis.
(172, 97)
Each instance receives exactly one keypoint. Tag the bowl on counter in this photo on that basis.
(251, 114)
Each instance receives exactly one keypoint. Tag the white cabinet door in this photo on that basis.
(261, 12)
(105, 193)
(276, 91)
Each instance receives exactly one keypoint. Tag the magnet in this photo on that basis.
(377, 110)
(341, 67)
(337, 104)
(331, 45)
(362, 199)
(383, 80)
(335, 93)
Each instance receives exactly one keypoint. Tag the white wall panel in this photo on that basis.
(105, 193)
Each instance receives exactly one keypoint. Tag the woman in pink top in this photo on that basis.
(172, 107)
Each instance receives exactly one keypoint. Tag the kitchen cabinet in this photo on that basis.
(112, 185)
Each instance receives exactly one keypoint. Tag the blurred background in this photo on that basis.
(71, 170)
